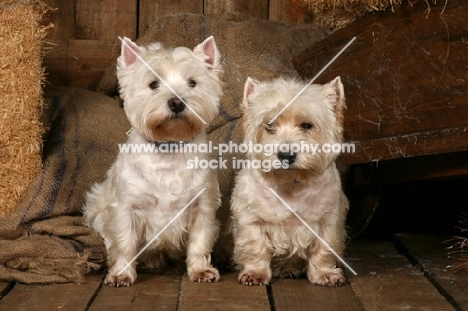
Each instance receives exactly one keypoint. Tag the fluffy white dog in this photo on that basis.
(269, 239)
(143, 192)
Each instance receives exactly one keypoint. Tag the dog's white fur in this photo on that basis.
(269, 239)
(144, 191)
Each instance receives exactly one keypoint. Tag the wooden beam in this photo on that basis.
(432, 167)
(404, 79)
(430, 142)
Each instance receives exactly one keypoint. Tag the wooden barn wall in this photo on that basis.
(85, 41)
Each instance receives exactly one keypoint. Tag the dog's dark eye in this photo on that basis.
(269, 128)
(192, 83)
(154, 85)
(306, 126)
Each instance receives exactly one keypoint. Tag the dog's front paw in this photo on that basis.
(249, 277)
(209, 275)
(329, 277)
(118, 280)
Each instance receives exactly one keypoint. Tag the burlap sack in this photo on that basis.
(44, 239)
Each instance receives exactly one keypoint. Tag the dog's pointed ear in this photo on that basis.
(208, 51)
(249, 87)
(335, 91)
(341, 100)
(129, 52)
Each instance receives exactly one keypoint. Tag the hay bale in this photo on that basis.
(339, 13)
(458, 246)
(21, 99)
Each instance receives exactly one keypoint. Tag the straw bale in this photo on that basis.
(458, 246)
(339, 13)
(21, 99)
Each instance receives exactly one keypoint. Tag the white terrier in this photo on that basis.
(144, 191)
(269, 239)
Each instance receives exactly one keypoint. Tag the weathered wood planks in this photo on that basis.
(300, 294)
(386, 280)
(105, 19)
(150, 292)
(70, 62)
(62, 16)
(430, 254)
(227, 294)
(79, 62)
(5, 287)
(51, 297)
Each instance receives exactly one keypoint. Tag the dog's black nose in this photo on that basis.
(290, 157)
(176, 105)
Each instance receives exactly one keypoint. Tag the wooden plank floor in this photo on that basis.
(428, 252)
(410, 273)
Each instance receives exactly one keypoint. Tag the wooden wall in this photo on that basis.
(85, 41)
